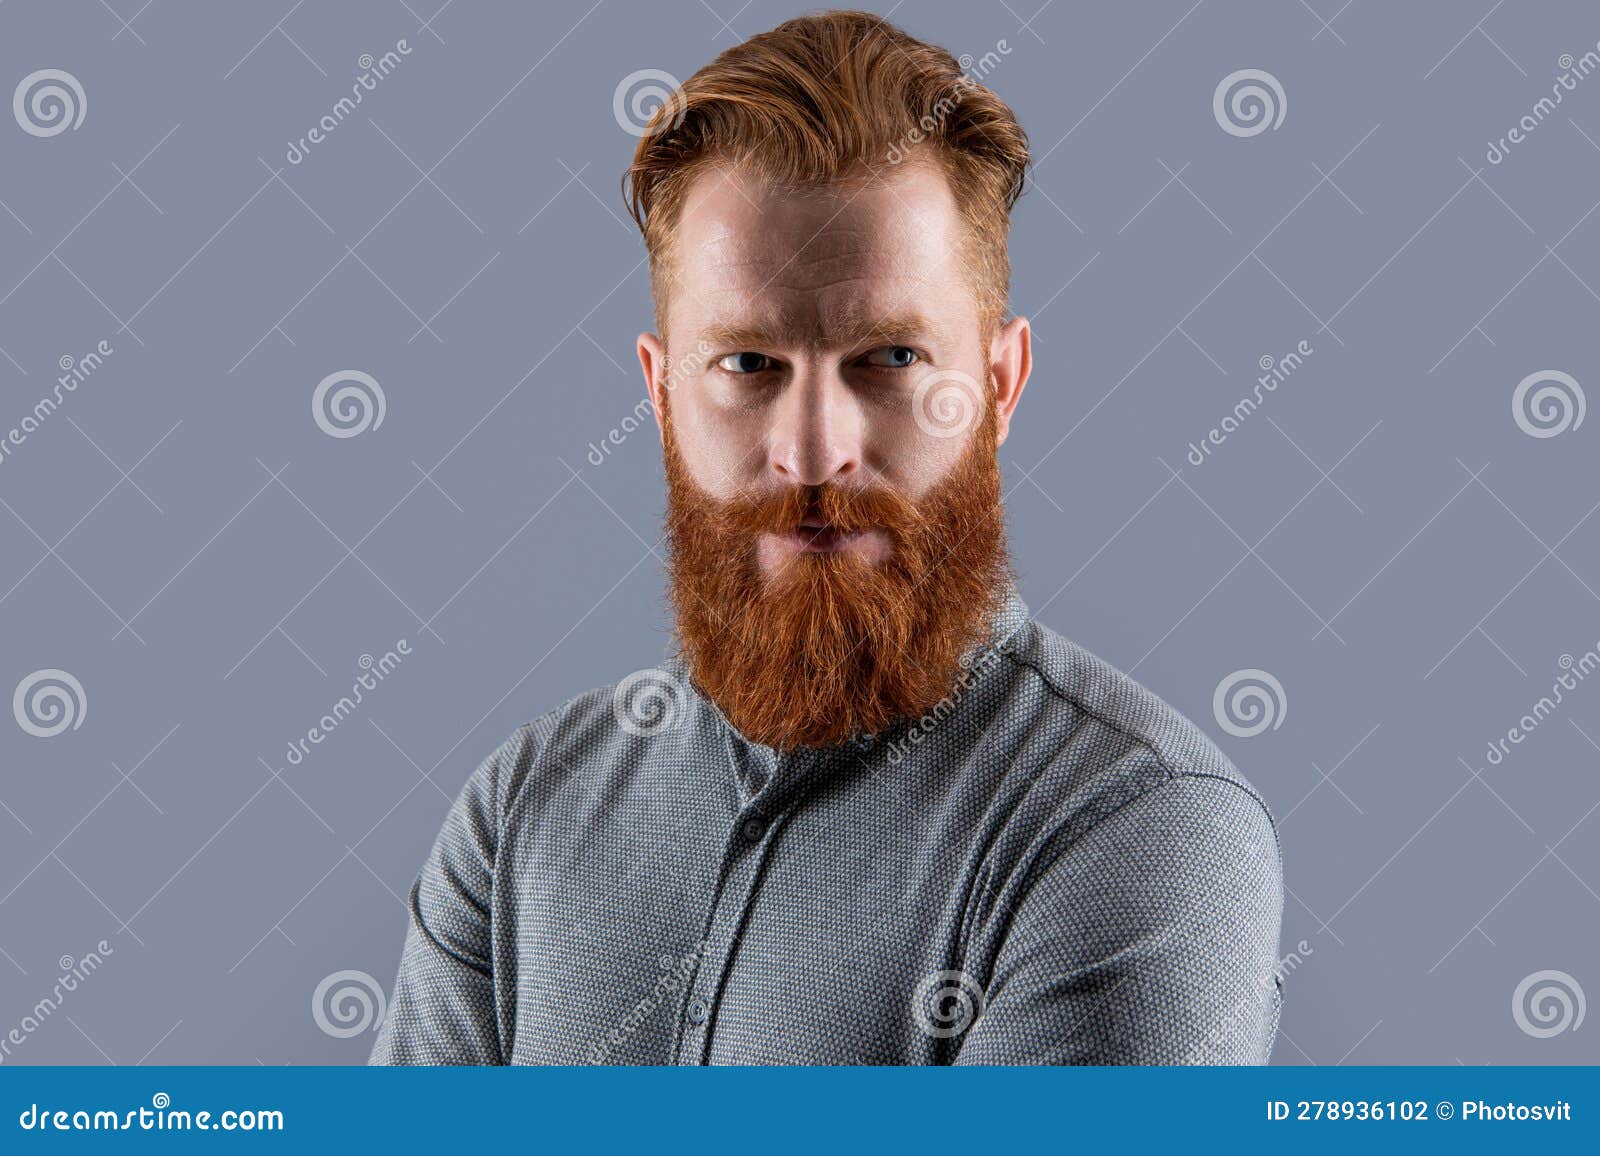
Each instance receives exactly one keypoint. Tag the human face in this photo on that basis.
(827, 337)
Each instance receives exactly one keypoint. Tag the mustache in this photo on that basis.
(845, 508)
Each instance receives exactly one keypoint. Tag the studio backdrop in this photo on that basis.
(328, 465)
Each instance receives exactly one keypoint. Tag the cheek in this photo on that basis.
(909, 458)
(724, 451)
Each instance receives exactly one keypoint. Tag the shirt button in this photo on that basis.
(753, 829)
(698, 1010)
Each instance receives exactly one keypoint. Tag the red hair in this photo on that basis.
(830, 98)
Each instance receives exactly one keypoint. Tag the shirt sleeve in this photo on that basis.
(443, 1010)
(1150, 939)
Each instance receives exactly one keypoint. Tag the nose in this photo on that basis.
(817, 431)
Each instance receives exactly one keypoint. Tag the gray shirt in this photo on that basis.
(1052, 866)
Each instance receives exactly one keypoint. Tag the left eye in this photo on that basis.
(892, 357)
(745, 362)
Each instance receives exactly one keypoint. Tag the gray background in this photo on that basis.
(182, 537)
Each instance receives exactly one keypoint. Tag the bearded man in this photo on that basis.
(867, 811)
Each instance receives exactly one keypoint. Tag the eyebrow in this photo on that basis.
(903, 329)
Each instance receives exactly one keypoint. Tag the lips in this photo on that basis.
(817, 537)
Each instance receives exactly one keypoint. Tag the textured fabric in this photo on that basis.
(1051, 867)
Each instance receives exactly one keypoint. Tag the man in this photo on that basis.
(868, 811)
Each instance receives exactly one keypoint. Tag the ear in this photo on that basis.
(1010, 363)
(653, 360)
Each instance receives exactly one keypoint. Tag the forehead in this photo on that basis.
(753, 254)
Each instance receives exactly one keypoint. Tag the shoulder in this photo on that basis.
(1125, 747)
(591, 734)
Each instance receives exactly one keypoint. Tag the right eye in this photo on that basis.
(745, 363)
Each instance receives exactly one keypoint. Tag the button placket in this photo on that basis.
(744, 850)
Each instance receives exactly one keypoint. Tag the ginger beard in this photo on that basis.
(830, 646)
